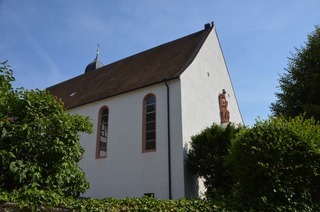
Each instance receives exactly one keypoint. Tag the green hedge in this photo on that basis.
(30, 200)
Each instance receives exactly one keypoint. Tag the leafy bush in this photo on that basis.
(39, 141)
(206, 159)
(47, 201)
(276, 165)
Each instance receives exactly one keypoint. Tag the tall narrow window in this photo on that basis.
(102, 137)
(149, 123)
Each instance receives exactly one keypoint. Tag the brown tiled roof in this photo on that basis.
(156, 65)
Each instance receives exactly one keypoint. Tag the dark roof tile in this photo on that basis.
(164, 62)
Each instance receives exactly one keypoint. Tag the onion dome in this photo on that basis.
(95, 64)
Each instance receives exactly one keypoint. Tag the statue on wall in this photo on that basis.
(223, 103)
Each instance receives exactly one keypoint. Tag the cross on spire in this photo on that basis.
(98, 49)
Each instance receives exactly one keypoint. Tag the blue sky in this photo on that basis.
(47, 42)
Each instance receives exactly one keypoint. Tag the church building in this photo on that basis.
(144, 109)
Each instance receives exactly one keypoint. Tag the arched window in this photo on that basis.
(102, 133)
(149, 123)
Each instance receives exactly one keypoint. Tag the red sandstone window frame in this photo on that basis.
(102, 133)
(149, 127)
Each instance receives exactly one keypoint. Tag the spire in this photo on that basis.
(96, 63)
(98, 50)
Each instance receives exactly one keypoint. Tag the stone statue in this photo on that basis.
(223, 103)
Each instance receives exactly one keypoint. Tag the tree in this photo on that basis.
(206, 159)
(300, 87)
(276, 166)
(39, 141)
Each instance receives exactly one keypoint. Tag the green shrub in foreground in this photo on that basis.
(39, 141)
(49, 200)
(276, 166)
(206, 159)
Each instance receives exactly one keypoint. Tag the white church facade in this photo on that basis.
(144, 109)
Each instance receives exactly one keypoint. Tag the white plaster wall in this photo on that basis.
(127, 172)
(201, 84)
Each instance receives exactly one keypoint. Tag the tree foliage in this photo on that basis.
(39, 141)
(276, 165)
(206, 158)
(300, 87)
